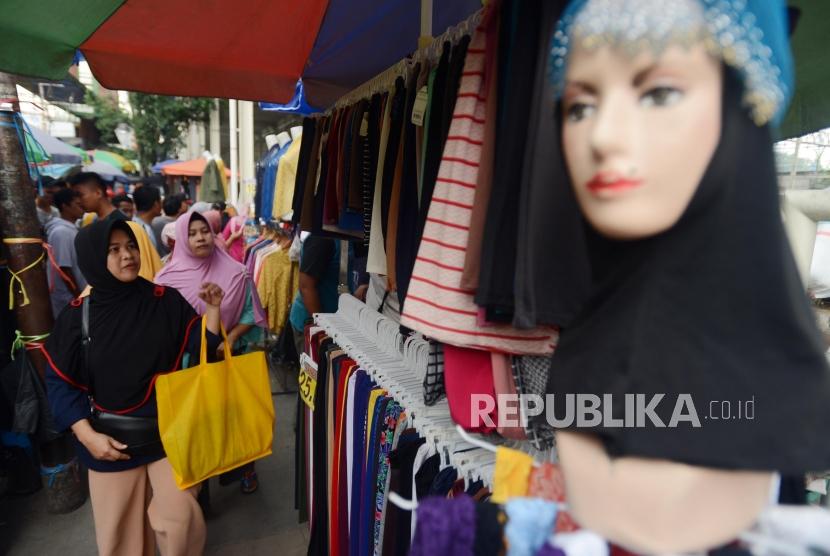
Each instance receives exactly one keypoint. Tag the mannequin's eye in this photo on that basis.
(660, 96)
(578, 111)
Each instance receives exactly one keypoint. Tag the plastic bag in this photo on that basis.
(30, 413)
(215, 417)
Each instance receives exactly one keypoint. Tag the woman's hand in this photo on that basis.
(211, 294)
(220, 351)
(101, 446)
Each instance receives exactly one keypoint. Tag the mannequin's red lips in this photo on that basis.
(603, 182)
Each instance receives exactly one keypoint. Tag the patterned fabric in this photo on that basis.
(548, 483)
(531, 376)
(436, 303)
(387, 437)
(434, 379)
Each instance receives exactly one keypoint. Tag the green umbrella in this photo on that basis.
(115, 159)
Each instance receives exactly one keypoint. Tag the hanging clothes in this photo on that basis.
(279, 281)
(551, 277)
(269, 184)
(515, 92)
(437, 305)
(286, 179)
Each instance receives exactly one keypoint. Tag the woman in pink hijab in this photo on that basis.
(232, 234)
(197, 260)
(214, 218)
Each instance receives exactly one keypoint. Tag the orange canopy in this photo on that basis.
(194, 168)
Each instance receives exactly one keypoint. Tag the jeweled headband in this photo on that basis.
(748, 35)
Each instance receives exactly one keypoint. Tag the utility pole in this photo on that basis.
(18, 219)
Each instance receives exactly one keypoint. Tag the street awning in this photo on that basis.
(258, 49)
(190, 168)
(249, 50)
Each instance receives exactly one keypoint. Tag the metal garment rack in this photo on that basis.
(398, 365)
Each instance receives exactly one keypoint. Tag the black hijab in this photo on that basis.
(137, 329)
(714, 308)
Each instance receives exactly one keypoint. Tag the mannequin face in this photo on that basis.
(638, 134)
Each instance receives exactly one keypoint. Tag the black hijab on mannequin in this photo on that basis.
(137, 329)
(713, 308)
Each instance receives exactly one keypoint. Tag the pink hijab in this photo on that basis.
(186, 272)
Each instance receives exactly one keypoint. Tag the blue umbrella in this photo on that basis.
(156, 168)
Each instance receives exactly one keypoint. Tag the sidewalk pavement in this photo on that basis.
(264, 522)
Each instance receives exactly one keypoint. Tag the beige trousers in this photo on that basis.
(132, 507)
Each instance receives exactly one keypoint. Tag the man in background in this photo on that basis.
(94, 199)
(173, 206)
(123, 203)
(319, 279)
(93, 192)
(148, 205)
(60, 234)
(46, 209)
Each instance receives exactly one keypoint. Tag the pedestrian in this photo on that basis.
(195, 260)
(138, 329)
(168, 239)
(148, 206)
(46, 209)
(93, 192)
(214, 218)
(173, 207)
(125, 204)
(319, 279)
(232, 234)
(94, 199)
(60, 235)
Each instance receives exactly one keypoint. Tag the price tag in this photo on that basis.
(420, 107)
(308, 380)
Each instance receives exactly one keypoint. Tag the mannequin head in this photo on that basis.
(638, 134)
(640, 84)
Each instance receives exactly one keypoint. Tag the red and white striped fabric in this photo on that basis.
(436, 304)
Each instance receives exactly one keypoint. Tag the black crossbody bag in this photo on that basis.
(140, 434)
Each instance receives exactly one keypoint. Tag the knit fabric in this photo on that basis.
(436, 304)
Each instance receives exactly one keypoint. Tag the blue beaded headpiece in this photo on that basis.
(748, 35)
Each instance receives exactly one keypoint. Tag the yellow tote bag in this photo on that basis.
(215, 417)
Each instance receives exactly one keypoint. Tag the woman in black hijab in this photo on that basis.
(100, 381)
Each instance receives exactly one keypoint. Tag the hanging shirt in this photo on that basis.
(278, 284)
(286, 177)
(437, 304)
(270, 182)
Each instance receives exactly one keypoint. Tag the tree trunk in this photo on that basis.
(18, 219)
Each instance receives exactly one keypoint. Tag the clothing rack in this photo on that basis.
(398, 364)
(386, 78)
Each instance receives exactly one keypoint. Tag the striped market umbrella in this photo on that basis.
(249, 50)
(114, 159)
(259, 49)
